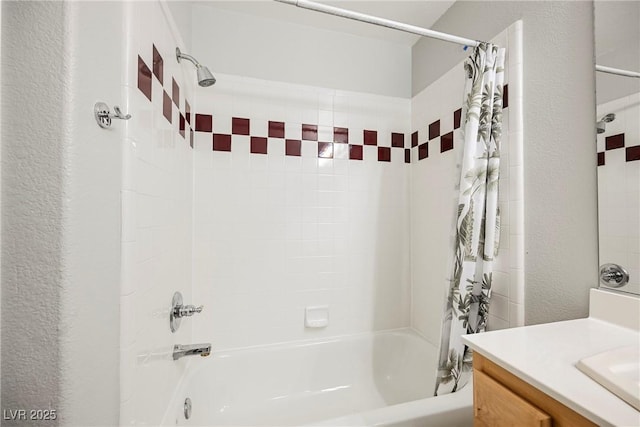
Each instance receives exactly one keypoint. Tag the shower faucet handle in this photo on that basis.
(187, 310)
(180, 310)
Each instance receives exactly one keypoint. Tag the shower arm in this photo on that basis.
(180, 55)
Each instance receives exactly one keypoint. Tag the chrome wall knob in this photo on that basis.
(613, 275)
(179, 310)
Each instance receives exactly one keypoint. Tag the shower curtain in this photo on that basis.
(478, 216)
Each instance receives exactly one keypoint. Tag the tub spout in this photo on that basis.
(180, 351)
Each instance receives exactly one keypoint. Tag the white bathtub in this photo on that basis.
(383, 378)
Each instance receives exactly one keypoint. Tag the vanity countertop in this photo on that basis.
(545, 356)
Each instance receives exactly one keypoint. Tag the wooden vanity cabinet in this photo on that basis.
(501, 399)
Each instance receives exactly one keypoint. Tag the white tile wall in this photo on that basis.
(619, 190)
(274, 233)
(433, 184)
(156, 221)
(261, 237)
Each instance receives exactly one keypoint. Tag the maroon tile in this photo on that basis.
(182, 125)
(325, 150)
(601, 158)
(276, 129)
(457, 115)
(239, 126)
(310, 132)
(434, 130)
(175, 92)
(384, 154)
(633, 153)
(414, 139)
(355, 152)
(407, 155)
(370, 137)
(397, 139)
(221, 142)
(158, 65)
(341, 135)
(191, 137)
(167, 108)
(292, 147)
(204, 123)
(505, 96)
(258, 145)
(187, 111)
(614, 141)
(423, 151)
(144, 78)
(446, 142)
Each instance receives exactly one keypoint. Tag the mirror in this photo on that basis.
(617, 38)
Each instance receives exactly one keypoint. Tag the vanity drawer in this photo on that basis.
(503, 399)
(496, 405)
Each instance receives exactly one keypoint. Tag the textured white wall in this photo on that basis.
(239, 44)
(561, 252)
(60, 194)
(32, 182)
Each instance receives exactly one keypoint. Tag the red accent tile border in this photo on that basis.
(423, 151)
(325, 150)
(407, 155)
(175, 92)
(384, 154)
(457, 115)
(187, 111)
(355, 152)
(614, 141)
(370, 137)
(505, 96)
(158, 65)
(182, 127)
(341, 135)
(633, 153)
(276, 129)
(446, 142)
(258, 145)
(167, 109)
(144, 78)
(221, 142)
(310, 132)
(434, 130)
(414, 139)
(240, 126)
(601, 158)
(292, 147)
(397, 140)
(204, 123)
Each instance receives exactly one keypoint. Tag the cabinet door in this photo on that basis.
(495, 405)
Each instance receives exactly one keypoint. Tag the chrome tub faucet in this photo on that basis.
(180, 351)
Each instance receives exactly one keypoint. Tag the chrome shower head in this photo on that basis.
(205, 77)
(601, 126)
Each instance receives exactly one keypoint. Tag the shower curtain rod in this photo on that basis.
(318, 7)
(617, 71)
(344, 13)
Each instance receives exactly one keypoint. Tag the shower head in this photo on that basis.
(205, 77)
(601, 126)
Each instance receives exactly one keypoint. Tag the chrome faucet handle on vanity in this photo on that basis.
(179, 310)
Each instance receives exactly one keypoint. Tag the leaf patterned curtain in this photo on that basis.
(478, 216)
